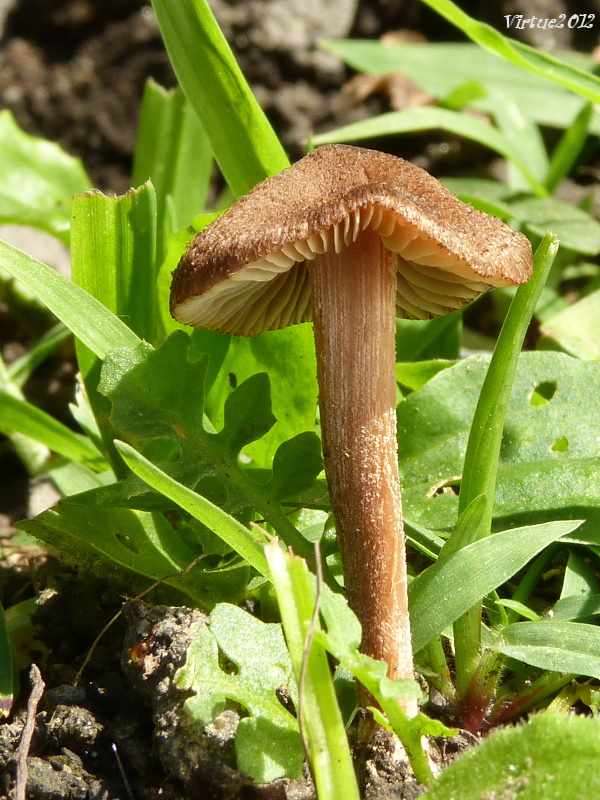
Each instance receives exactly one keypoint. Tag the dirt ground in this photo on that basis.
(73, 71)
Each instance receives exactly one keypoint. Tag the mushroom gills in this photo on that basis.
(274, 291)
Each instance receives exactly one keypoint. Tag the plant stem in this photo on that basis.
(354, 311)
(483, 448)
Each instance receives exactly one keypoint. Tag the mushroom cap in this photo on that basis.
(247, 271)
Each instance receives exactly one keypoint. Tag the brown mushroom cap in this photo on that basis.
(247, 272)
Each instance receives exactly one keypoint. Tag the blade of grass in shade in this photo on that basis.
(33, 455)
(579, 81)
(23, 417)
(426, 119)
(325, 736)
(86, 317)
(173, 152)
(21, 368)
(242, 140)
(567, 151)
(236, 535)
(483, 448)
(8, 675)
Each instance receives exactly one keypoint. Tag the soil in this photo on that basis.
(73, 71)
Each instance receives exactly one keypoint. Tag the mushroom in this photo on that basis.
(351, 238)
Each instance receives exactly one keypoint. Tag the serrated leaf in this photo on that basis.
(270, 745)
(288, 357)
(157, 395)
(296, 465)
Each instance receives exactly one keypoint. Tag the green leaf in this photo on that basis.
(535, 480)
(576, 607)
(90, 321)
(23, 417)
(38, 180)
(419, 340)
(521, 55)
(441, 68)
(137, 541)
(242, 140)
(157, 397)
(226, 527)
(268, 744)
(574, 228)
(288, 356)
(525, 137)
(448, 588)
(524, 762)
(556, 646)
(173, 152)
(415, 374)
(580, 576)
(328, 750)
(576, 329)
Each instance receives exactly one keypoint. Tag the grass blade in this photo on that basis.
(446, 589)
(568, 149)
(86, 317)
(19, 415)
(242, 140)
(483, 448)
(583, 83)
(425, 119)
(326, 742)
(113, 249)
(8, 669)
(238, 537)
(173, 152)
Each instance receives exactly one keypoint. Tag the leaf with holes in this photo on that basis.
(548, 461)
(102, 538)
(241, 659)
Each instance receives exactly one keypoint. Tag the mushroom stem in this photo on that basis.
(354, 295)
